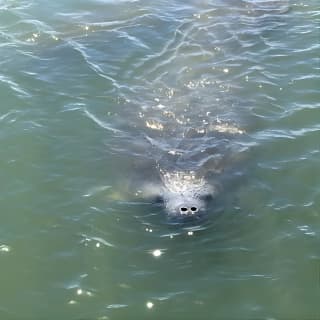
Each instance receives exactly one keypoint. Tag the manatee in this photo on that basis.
(175, 112)
(186, 179)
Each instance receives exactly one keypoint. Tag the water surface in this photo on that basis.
(81, 82)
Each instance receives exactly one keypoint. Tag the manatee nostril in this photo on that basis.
(183, 209)
(194, 209)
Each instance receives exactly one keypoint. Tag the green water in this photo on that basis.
(75, 78)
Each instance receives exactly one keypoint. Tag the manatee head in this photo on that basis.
(184, 194)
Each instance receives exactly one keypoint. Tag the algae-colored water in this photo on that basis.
(77, 81)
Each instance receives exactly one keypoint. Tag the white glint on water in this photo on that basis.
(157, 253)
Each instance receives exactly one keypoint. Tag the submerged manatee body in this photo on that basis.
(191, 108)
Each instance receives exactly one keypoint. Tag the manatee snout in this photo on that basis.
(181, 206)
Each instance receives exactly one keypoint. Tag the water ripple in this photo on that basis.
(99, 122)
(95, 67)
(14, 86)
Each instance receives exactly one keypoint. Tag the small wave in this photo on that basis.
(86, 239)
(95, 67)
(99, 122)
(14, 86)
(117, 306)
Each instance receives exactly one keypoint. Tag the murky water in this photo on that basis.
(92, 93)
